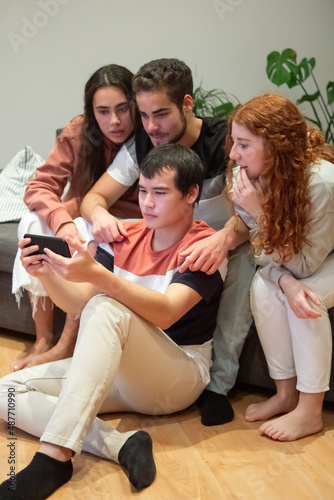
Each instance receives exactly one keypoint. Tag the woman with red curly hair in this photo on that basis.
(281, 174)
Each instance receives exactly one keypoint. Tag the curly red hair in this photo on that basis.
(290, 147)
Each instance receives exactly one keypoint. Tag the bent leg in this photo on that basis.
(312, 346)
(36, 391)
(152, 375)
(312, 338)
(43, 318)
(269, 310)
(272, 324)
(146, 371)
(233, 323)
(120, 362)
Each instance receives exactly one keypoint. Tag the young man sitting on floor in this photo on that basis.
(145, 335)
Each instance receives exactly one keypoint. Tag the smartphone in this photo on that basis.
(57, 245)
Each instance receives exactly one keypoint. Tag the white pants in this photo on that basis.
(31, 223)
(293, 346)
(120, 363)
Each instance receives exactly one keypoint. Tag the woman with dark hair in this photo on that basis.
(87, 145)
(281, 174)
(93, 132)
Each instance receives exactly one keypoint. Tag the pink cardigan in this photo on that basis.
(44, 191)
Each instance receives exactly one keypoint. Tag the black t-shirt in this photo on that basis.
(198, 324)
(209, 146)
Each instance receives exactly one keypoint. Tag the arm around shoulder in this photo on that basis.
(208, 254)
(234, 233)
(102, 195)
(95, 208)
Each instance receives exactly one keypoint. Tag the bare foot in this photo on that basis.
(294, 425)
(273, 406)
(37, 350)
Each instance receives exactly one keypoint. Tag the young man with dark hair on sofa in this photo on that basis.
(164, 94)
(145, 336)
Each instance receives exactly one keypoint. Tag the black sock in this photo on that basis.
(137, 457)
(38, 480)
(215, 408)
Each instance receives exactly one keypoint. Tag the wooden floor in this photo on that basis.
(231, 461)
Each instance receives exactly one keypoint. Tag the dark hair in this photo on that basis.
(186, 163)
(91, 137)
(171, 75)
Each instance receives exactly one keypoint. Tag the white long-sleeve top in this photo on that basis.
(320, 239)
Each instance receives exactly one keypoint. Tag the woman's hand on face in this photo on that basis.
(247, 194)
(106, 228)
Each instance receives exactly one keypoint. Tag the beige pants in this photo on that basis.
(120, 363)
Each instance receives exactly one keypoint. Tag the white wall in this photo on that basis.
(49, 48)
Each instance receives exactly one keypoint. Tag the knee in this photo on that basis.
(31, 223)
(324, 304)
(265, 296)
(258, 289)
(100, 304)
(107, 314)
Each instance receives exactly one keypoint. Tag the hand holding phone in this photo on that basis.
(57, 245)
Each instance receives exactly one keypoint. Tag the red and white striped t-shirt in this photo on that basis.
(134, 260)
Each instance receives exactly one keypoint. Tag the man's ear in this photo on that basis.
(192, 194)
(188, 104)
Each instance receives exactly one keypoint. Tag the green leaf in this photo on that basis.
(304, 69)
(309, 97)
(282, 68)
(213, 102)
(293, 81)
(330, 92)
(223, 110)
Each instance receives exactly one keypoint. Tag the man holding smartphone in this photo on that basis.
(57, 245)
(145, 336)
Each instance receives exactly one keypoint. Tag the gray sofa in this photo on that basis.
(253, 367)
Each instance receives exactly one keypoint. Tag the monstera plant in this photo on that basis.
(213, 102)
(283, 68)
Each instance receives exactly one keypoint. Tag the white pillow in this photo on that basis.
(13, 181)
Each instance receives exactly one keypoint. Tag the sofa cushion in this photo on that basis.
(8, 245)
(13, 181)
